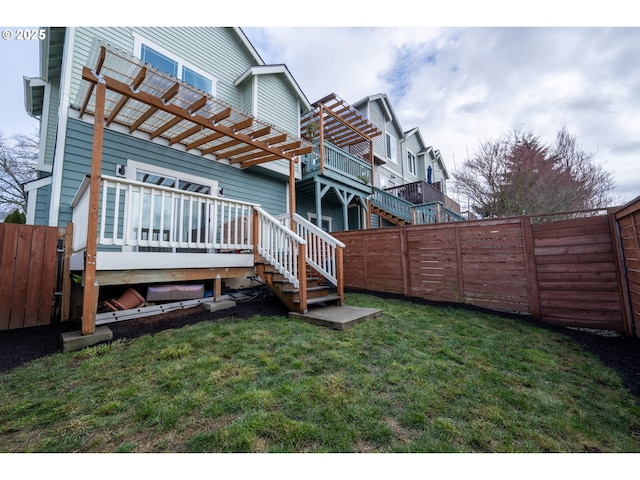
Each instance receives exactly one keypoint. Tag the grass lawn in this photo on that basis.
(420, 379)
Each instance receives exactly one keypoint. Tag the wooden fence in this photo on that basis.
(28, 274)
(562, 272)
(628, 223)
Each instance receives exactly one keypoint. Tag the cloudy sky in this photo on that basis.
(459, 85)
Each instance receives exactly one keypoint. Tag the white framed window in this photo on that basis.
(173, 65)
(326, 221)
(392, 148)
(143, 172)
(411, 163)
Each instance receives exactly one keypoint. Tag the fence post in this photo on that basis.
(459, 263)
(621, 277)
(66, 273)
(530, 264)
(406, 265)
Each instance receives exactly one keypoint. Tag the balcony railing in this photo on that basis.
(338, 161)
(431, 212)
(417, 192)
(136, 214)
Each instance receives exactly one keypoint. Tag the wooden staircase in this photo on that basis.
(318, 291)
(388, 216)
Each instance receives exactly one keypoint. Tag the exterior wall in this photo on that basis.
(43, 197)
(119, 148)
(217, 51)
(331, 207)
(412, 145)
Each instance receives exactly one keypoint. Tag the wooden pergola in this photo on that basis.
(121, 89)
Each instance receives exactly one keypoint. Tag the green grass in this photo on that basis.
(420, 379)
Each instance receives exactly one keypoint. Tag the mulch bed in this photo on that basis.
(18, 347)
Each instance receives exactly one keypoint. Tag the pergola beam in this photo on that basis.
(198, 120)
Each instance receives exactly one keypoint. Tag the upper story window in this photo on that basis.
(411, 163)
(173, 65)
(392, 148)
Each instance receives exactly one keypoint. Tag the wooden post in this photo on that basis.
(66, 273)
(302, 276)
(459, 264)
(405, 264)
(530, 263)
(321, 128)
(340, 273)
(292, 194)
(217, 288)
(90, 298)
(623, 286)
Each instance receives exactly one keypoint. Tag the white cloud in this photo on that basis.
(464, 85)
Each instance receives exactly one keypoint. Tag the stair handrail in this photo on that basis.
(324, 251)
(281, 247)
(392, 204)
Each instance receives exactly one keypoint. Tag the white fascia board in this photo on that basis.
(35, 184)
(248, 45)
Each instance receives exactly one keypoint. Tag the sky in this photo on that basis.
(461, 85)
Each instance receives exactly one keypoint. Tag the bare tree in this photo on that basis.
(18, 165)
(517, 174)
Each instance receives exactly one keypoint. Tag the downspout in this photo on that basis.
(63, 114)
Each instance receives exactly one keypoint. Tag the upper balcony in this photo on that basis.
(422, 192)
(339, 165)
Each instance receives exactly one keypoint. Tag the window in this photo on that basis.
(326, 221)
(392, 148)
(411, 163)
(172, 65)
(179, 214)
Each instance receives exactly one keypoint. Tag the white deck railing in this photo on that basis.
(280, 246)
(322, 248)
(136, 214)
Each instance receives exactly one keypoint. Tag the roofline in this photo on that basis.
(388, 108)
(249, 46)
(275, 70)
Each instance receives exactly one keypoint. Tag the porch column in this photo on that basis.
(321, 129)
(292, 193)
(318, 204)
(90, 298)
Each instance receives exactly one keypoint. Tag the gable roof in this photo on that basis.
(279, 69)
(383, 99)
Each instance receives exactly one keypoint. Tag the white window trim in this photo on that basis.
(133, 166)
(314, 216)
(394, 151)
(138, 40)
(409, 163)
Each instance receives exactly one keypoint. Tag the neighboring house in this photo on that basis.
(370, 172)
(198, 153)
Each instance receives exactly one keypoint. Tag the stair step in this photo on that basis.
(332, 297)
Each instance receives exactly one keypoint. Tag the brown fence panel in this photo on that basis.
(494, 265)
(434, 263)
(628, 219)
(374, 261)
(576, 272)
(562, 272)
(28, 270)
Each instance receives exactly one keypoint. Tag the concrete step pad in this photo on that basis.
(337, 317)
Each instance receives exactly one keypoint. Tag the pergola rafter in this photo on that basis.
(146, 100)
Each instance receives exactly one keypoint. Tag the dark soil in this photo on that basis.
(18, 347)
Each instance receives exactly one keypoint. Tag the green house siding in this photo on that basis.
(331, 207)
(218, 51)
(43, 198)
(277, 104)
(270, 191)
(52, 123)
